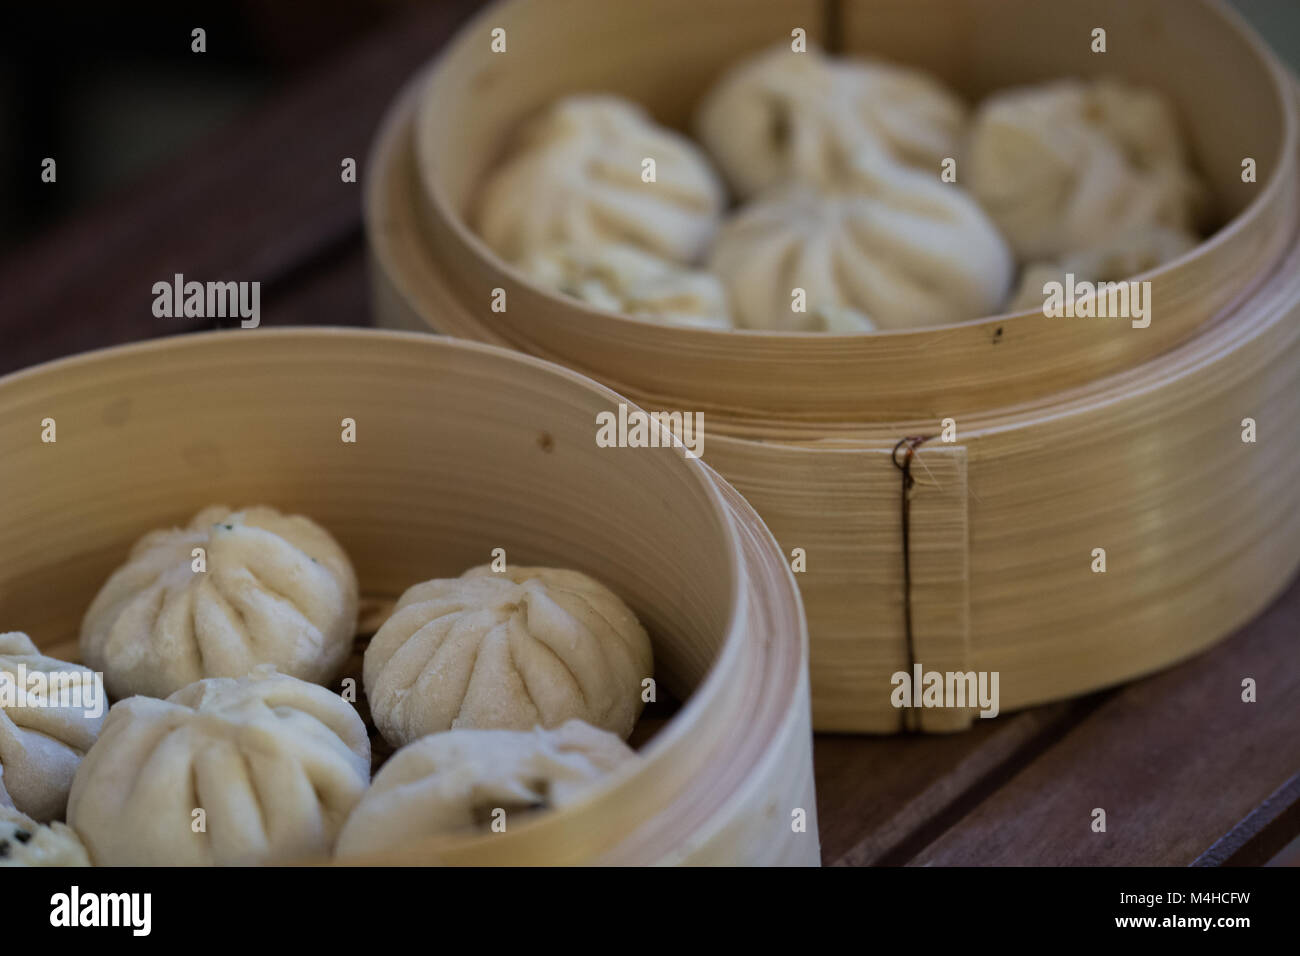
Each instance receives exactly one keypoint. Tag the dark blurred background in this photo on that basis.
(119, 86)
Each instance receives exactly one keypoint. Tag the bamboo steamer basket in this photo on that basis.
(1071, 435)
(460, 449)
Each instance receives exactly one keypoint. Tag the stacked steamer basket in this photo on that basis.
(1069, 435)
(459, 449)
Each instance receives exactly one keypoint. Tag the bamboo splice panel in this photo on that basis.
(828, 505)
(832, 505)
(938, 551)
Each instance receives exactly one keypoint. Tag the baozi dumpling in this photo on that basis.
(895, 248)
(24, 842)
(454, 781)
(276, 765)
(575, 175)
(625, 279)
(42, 745)
(786, 116)
(1122, 258)
(277, 589)
(1070, 166)
(506, 650)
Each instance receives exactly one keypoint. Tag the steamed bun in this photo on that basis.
(275, 763)
(575, 176)
(625, 279)
(506, 650)
(452, 782)
(277, 589)
(41, 746)
(1122, 258)
(893, 248)
(786, 116)
(1070, 166)
(24, 842)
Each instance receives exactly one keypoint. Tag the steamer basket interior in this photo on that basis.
(459, 450)
(975, 46)
(1236, 103)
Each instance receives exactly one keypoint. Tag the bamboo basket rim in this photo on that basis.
(738, 527)
(435, 196)
(1183, 361)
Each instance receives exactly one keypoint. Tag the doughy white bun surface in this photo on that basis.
(454, 782)
(575, 174)
(277, 589)
(622, 278)
(41, 746)
(510, 650)
(1069, 166)
(784, 116)
(274, 763)
(895, 248)
(24, 842)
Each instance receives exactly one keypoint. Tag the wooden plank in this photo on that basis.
(881, 799)
(1175, 760)
(331, 290)
(1289, 855)
(252, 202)
(1263, 834)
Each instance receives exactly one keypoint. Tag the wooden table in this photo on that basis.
(1187, 772)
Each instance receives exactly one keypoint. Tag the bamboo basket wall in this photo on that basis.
(1070, 435)
(460, 449)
